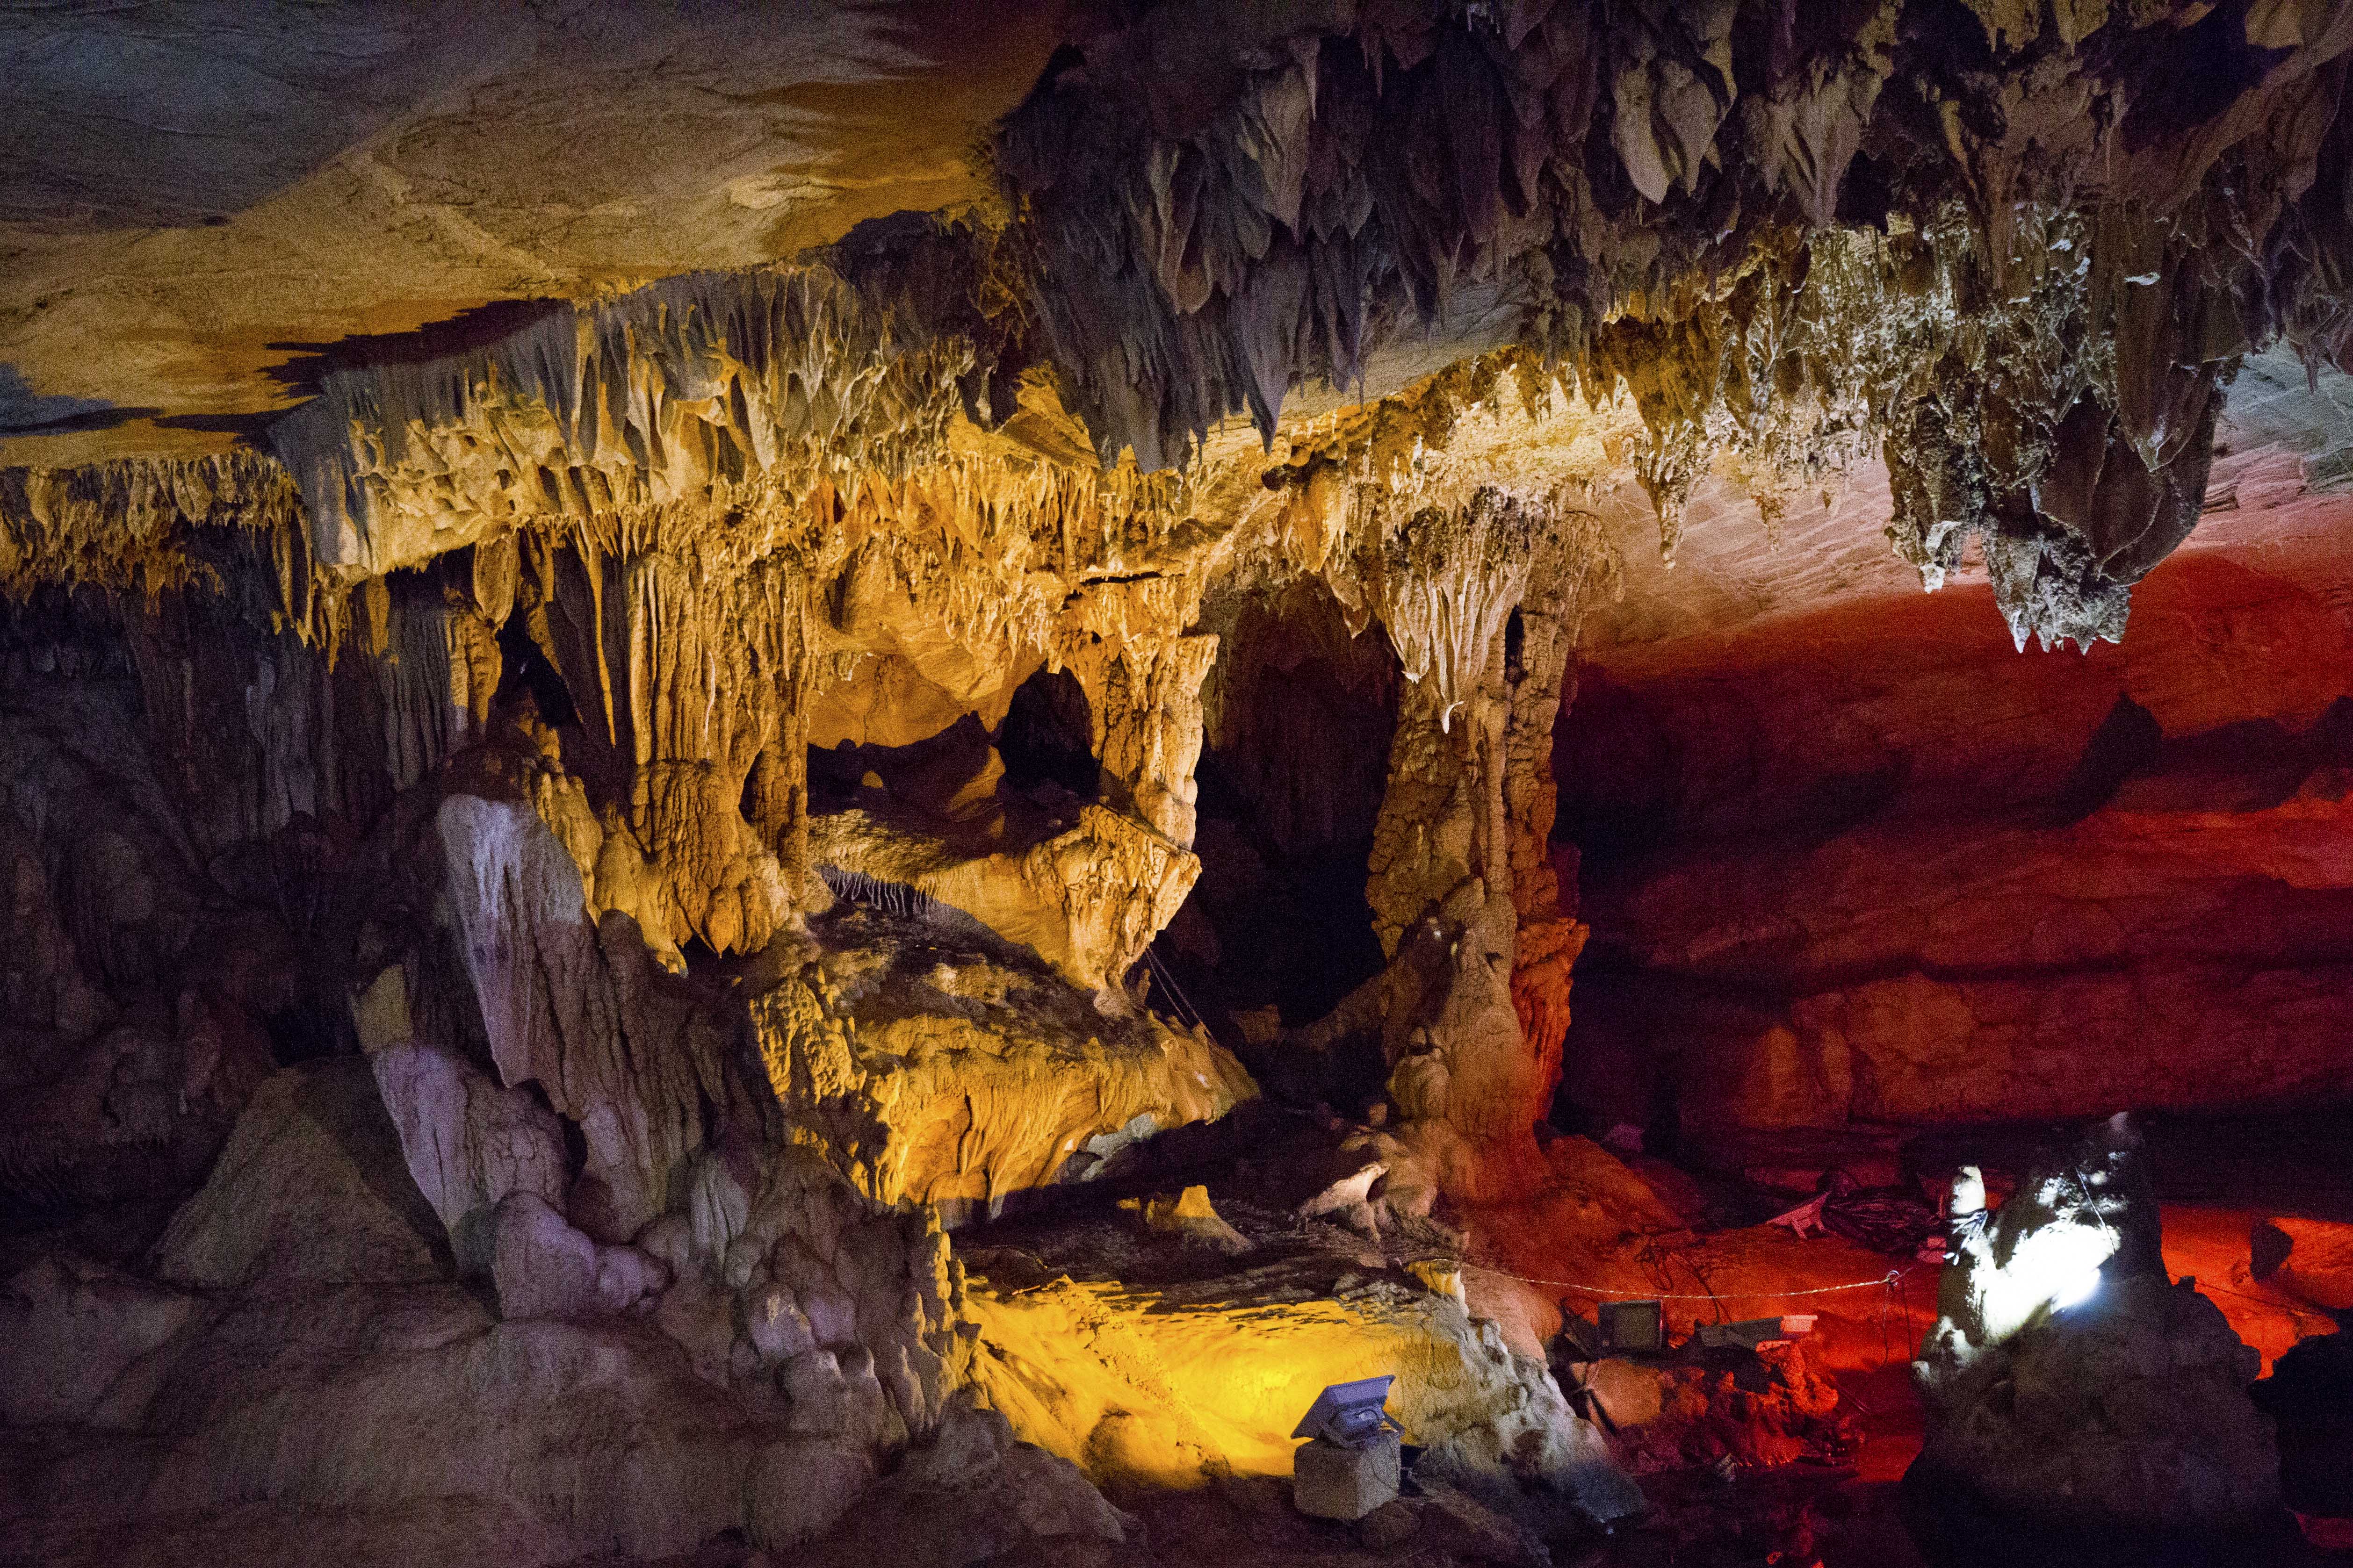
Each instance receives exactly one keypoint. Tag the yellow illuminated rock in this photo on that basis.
(1189, 1214)
(1179, 1386)
(958, 1077)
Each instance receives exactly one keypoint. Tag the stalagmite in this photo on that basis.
(626, 823)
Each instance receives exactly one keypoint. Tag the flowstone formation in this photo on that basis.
(623, 921)
(554, 883)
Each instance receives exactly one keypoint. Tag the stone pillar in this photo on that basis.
(1441, 887)
(1125, 644)
(777, 791)
(1463, 895)
(1145, 706)
(1441, 814)
(1549, 940)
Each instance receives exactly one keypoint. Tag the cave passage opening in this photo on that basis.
(1048, 737)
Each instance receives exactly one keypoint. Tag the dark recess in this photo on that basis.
(1048, 737)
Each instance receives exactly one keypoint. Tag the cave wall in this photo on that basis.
(1869, 868)
(537, 899)
(469, 931)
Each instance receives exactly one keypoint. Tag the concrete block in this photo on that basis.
(1332, 1482)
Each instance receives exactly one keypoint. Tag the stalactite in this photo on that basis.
(1255, 235)
(872, 892)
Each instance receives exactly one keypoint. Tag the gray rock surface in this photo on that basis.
(409, 1425)
(971, 1495)
(312, 1189)
(2069, 1380)
(75, 1333)
(467, 1142)
(541, 1266)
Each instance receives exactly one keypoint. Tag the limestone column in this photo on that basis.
(1463, 897)
(1145, 705)
(1142, 676)
(1548, 940)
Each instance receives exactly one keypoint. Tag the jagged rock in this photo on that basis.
(2068, 1380)
(469, 1142)
(2310, 1394)
(312, 1189)
(836, 1394)
(1350, 1195)
(1087, 900)
(1780, 1407)
(540, 1267)
(399, 1411)
(971, 1494)
(950, 1073)
(560, 996)
(1190, 1214)
(2317, 1263)
(1204, 255)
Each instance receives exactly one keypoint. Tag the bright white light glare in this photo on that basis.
(2054, 1268)
(2076, 1290)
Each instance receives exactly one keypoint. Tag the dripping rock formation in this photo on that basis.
(838, 785)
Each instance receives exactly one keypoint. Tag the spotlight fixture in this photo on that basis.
(1636, 1326)
(1349, 1415)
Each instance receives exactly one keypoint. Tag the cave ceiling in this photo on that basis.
(1975, 276)
(2275, 497)
(197, 200)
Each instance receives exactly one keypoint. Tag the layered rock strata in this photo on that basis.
(1821, 910)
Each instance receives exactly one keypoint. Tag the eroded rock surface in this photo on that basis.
(951, 1072)
(542, 881)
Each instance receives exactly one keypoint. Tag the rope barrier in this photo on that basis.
(1891, 1284)
(1888, 1285)
(2292, 1311)
(1891, 1277)
(1185, 1011)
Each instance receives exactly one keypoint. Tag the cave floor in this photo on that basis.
(2220, 1177)
(1596, 1231)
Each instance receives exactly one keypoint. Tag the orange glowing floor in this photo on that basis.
(1546, 1256)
